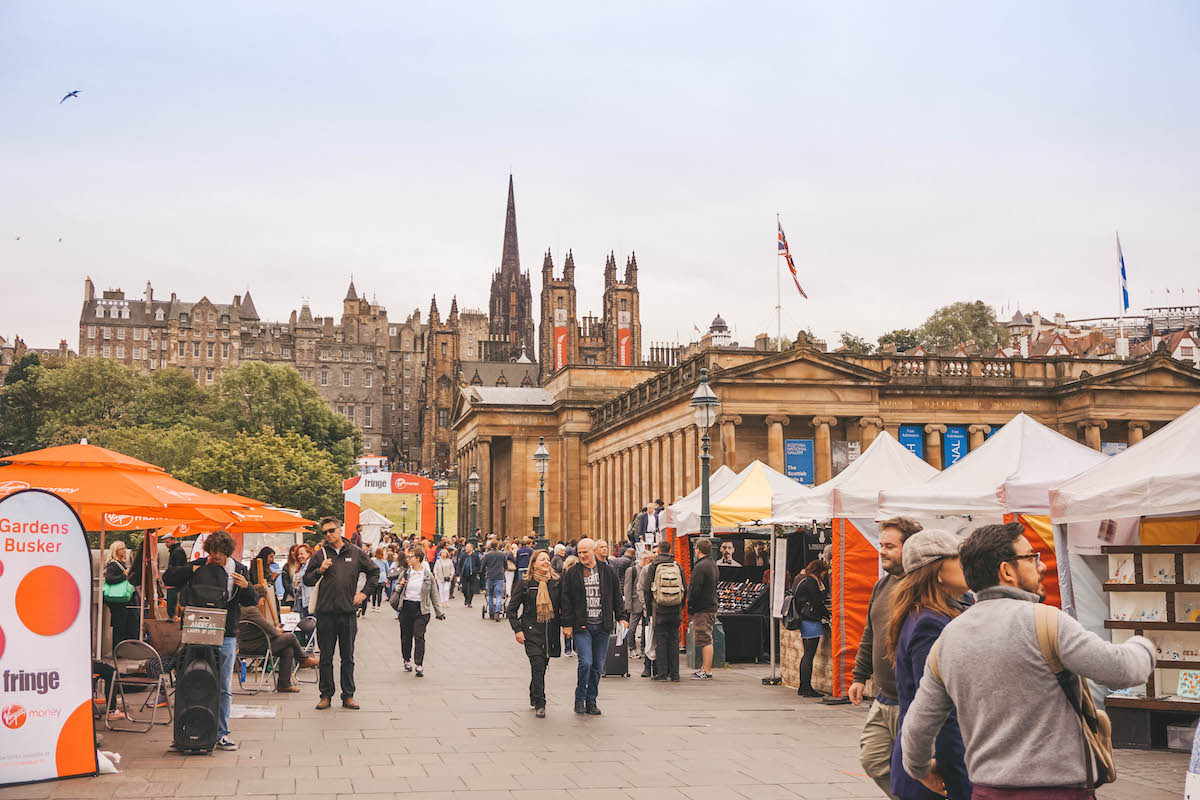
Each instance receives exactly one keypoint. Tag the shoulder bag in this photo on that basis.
(118, 592)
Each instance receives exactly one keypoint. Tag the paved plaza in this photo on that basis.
(465, 732)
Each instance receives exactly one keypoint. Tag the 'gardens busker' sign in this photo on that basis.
(46, 728)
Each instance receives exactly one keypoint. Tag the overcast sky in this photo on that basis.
(918, 154)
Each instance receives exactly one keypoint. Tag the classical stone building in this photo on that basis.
(620, 436)
(14, 351)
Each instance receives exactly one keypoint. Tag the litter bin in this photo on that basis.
(693, 652)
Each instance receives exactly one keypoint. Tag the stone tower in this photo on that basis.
(442, 368)
(559, 335)
(510, 307)
(622, 319)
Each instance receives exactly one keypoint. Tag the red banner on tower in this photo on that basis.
(560, 338)
(624, 339)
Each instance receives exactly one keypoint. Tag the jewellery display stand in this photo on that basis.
(1154, 591)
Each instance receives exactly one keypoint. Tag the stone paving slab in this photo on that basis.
(466, 732)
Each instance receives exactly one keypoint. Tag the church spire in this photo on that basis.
(510, 258)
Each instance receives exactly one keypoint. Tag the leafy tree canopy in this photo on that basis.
(961, 322)
(854, 344)
(902, 338)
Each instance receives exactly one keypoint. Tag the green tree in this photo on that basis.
(854, 344)
(21, 406)
(281, 469)
(902, 338)
(88, 395)
(171, 448)
(256, 397)
(962, 322)
(171, 397)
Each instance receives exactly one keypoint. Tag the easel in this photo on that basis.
(267, 604)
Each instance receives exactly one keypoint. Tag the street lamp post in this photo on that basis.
(706, 406)
(403, 519)
(440, 488)
(473, 493)
(541, 462)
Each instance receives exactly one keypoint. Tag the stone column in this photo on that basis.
(729, 440)
(1137, 430)
(691, 456)
(871, 426)
(1091, 432)
(933, 444)
(678, 486)
(610, 492)
(822, 448)
(627, 462)
(775, 425)
(978, 434)
(654, 485)
(483, 465)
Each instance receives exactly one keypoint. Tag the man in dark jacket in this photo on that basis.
(667, 618)
(494, 564)
(702, 606)
(592, 609)
(218, 575)
(468, 568)
(175, 558)
(622, 562)
(338, 565)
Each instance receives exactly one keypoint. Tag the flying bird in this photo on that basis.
(69, 95)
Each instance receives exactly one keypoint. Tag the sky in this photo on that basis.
(917, 154)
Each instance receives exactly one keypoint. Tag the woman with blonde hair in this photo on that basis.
(118, 592)
(924, 601)
(443, 572)
(535, 613)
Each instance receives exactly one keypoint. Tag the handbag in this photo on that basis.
(312, 597)
(118, 592)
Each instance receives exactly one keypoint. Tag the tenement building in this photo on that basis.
(620, 436)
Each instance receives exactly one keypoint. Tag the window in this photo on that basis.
(107, 333)
(120, 333)
(211, 316)
(345, 377)
(341, 410)
(124, 313)
(1185, 351)
(91, 331)
(158, 315)
(154, 363)
(560, 301)
(100, 312)
(225, 350)
(196, 349)
(286, 352)
(407, 374)
(106, 352)
(120, 351)
(408, 356)
(324, 377)
(470, 352)
(407, 389)
(623, 304)
(366, 416)
(137, 334)
(307, 374)
(368, 379)
(406, 406)
(91, 350)
(210, 349)
(208, 373)
(443, 417)
(443, 349)
(196, 373)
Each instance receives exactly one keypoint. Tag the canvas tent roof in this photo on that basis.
(854, 492)
(1158, 475)
(684, 515)
(1011, 472)
(370, 516)
(751, 495)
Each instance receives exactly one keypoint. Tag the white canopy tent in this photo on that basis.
(854, 492)
(374, 524)
(684, 515)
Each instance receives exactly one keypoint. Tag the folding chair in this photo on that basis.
(263, 665)
(153, 682)
(308, 626)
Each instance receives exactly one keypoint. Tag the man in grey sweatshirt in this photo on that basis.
(1020, 733)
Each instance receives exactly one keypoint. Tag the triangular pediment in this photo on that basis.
(807, 366)
(1154, 372)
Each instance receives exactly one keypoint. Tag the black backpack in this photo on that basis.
(208, 588)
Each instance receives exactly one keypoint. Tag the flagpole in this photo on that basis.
(1122, 289)
(778, 293)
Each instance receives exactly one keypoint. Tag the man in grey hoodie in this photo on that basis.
(1022, 737)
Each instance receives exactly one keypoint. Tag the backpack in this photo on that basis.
(668, 585)
(1099, 764)
(208, 588)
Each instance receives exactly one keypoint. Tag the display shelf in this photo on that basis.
(1128, 549)
(1178, 588)
(1167, 664)
(1150, 625)
(1152, 703)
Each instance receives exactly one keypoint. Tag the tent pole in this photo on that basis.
(100, 603)
(772, 623)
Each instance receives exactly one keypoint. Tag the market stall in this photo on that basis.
(850, 500)
(1130, 529)
(1006, 479)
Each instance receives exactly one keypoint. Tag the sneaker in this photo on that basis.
(226, 744)
(162, 701)
(420, 671)
(540, 713)
(701, 675)
(116, 714)
(408, 666)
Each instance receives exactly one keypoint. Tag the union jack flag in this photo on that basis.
(787, 254)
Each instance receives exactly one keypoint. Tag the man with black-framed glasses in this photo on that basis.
(338, 563)
(1023, 738)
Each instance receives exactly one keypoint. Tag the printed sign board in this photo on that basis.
(624, 338)
(798, 460)
(911, 437)
(955, 445)
(46, 728)
(560, 338)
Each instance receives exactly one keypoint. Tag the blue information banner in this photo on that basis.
(798, 460)
(955, 445)
(910, 437)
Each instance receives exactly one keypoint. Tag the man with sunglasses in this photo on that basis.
(1023, 739)
(337, 565)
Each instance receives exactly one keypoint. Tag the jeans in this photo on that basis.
(337, 629)
(412, 631)
(172, 602)
(495, 593)
(228, 657)
(591, 651)
(666, 647)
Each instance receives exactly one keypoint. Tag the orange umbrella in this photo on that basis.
(263, 519)
(81, 455)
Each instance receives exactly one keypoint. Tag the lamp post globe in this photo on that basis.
(541, 462)
(706, 407)
(440, 488)
(473, 492)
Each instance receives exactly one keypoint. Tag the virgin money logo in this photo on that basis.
(402, 484)
(8, 487)
(13, 716)
(119, 520)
